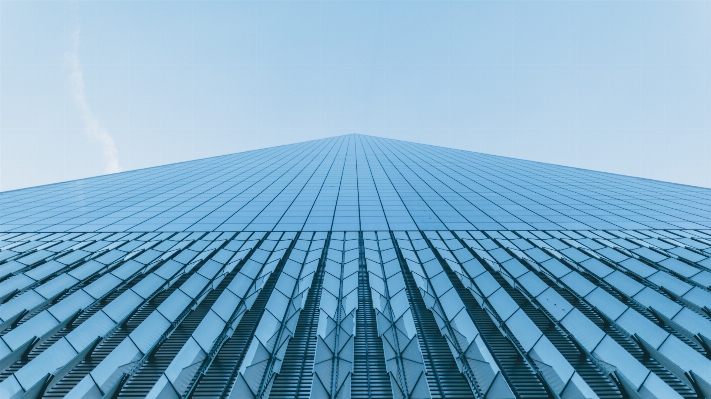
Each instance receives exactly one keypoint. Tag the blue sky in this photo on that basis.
(99, 86)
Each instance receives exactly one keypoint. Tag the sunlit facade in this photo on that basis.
(356, 267)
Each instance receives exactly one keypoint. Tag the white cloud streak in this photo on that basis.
(92, 126)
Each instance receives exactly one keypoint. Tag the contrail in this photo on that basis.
(92, 126)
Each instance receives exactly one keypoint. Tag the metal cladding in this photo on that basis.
(356, 267)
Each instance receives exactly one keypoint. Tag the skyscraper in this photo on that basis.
(356, 267)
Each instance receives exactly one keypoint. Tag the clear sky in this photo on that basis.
(99, 86)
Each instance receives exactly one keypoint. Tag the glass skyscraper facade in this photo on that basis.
(356, 267)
